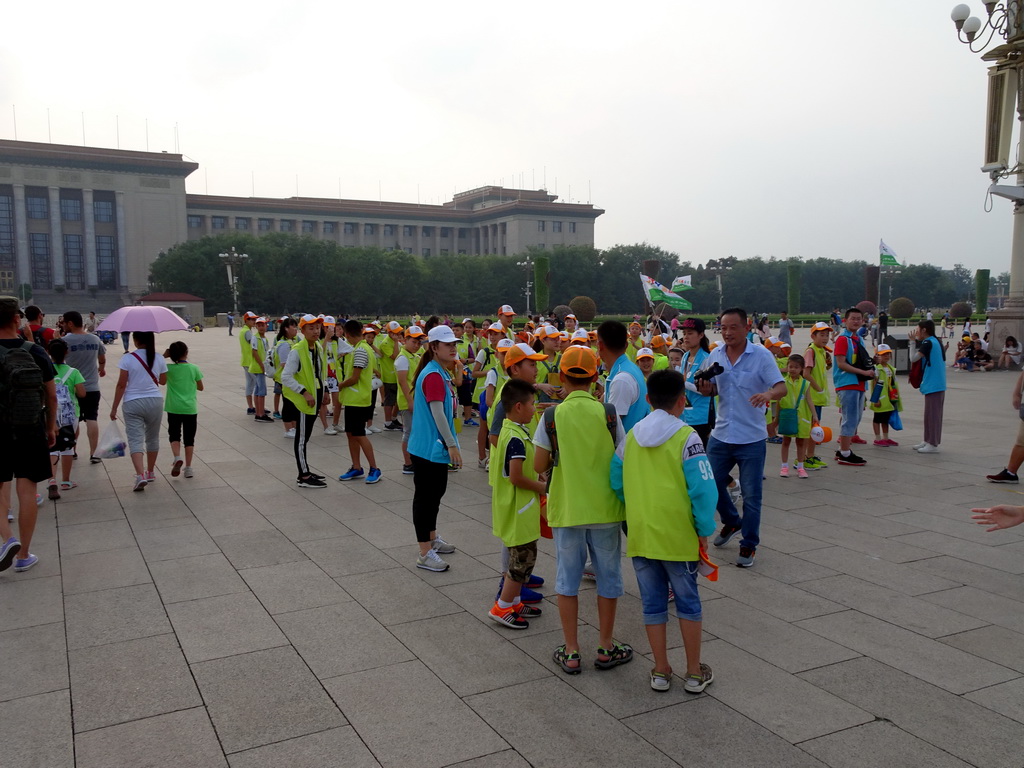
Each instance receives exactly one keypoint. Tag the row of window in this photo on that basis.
(349, 228)
(556, 226)
(38, 207)
(41, 261)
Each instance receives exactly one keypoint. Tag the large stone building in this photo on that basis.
(81, 225)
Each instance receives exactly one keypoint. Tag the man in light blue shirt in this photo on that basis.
(750, 380)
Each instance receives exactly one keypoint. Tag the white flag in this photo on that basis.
(683, 283)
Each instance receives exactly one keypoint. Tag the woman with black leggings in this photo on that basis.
(433, 446)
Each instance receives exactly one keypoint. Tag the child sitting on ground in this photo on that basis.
(515, 502)
(662, 474)
(795, 416)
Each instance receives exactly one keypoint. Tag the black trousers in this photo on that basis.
(430, 481)
(303, 431)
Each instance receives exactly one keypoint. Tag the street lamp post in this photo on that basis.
(720, 267)
(231, 260)
(528, 266)
(1005, 25)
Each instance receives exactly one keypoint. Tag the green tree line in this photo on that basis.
(291, 273)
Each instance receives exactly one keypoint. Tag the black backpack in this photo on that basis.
(21, 386)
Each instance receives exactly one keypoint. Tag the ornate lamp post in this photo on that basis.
(1004, 25)
(231, 260)
(528, 266)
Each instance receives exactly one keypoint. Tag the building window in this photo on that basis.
(428, 231)
(106, 262)
(572, 227)
(195, 222)
(329, 227)
(556, 226)
(408, 231)
(389, 230)
(350, 228)
(503, 250)
(265, 225)
(6, 232)
(462, 251)
(219, 222)
(408, 250)
(39, 253)
(242, 223)
(37, 206)
(446, 232)
(74, 262)
(368, 229)
(462, 234)
(426, 253)
(309, 227)
(103, 210)
(7, 280)
(444, 251)
(70, 209)
(287, 225)
(542, 245)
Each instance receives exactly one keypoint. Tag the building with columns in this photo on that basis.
(81, 225)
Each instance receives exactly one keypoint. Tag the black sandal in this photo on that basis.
(562, 658)
(619, 653)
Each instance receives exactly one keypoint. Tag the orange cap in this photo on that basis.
(520, 352)
(658, 342)
(578, 361)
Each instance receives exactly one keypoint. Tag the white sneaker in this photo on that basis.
(289, 434)
(140, 483)
(919, 446)
(735, 493)
(431, 562)
(189, 472)
(483, 463)
(374, 430)
(928, 448)
(331, 430)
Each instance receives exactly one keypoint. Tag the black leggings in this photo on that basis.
(430, 480)
(178, 422)
(304, 425)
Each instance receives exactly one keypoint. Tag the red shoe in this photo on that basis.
(882, 443)
(858, 440)
(892, 443)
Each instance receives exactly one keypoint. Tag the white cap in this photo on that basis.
(570, 315)
(441, 333)
(496, 327)
(505, 344)
(645, 352)
(882, 348)
(394, 326)
(328, 320)
(580, 333)
(549, 331)
(261, 320)
(506, 309)
(467, 320)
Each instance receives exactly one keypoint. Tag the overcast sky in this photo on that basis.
(744, 128)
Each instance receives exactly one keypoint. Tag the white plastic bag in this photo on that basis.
(112, 443)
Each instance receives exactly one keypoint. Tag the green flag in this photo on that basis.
(656, 292)
(886, 255)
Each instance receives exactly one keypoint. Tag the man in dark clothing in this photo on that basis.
(26, 449)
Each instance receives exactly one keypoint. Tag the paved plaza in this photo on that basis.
(233, 619)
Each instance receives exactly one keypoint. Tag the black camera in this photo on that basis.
(707, 374)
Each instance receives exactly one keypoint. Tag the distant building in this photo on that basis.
(81, 225)
(184, 304)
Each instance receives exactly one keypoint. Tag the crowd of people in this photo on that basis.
(584, 434)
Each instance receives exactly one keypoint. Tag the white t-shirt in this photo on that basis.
(622, 391)
(401, 363)
(140, 383)
(491, 379)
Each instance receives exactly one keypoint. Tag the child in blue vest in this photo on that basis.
(661, 473)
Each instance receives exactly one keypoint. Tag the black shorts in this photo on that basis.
(466, 392)
(882, 417)
(289, 411)
(89, 406)
(390, 395)
(25, 453)
(356, 418)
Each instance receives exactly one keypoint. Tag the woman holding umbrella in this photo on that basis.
(143, 372)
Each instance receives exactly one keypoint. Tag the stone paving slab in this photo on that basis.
(877, 614)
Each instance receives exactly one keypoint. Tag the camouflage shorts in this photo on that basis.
(521, 561)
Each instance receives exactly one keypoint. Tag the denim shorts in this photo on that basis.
(851, 401)
(654, 577)
(278, 390)
(605, 549)
(483, 408)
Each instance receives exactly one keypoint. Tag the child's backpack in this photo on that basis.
(917, 367)
(21, 386)
(65, 406)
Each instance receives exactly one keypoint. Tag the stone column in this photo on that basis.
(122, 242)
(89, 220)
(56, 239)
(21, 237)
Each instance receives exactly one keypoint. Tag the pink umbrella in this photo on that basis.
(155, 319)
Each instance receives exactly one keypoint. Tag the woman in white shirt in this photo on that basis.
(1011, 354)
(143, 372)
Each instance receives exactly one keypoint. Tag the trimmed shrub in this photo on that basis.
(961, 309)
(901, 308)
(867, 307)
(584, 308)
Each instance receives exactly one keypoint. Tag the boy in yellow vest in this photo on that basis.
(817, 363)
(257, 356)
(356, 387)
(576, 440)
(245, 344)
(515, 503)
(303, 385)
(665, 479)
